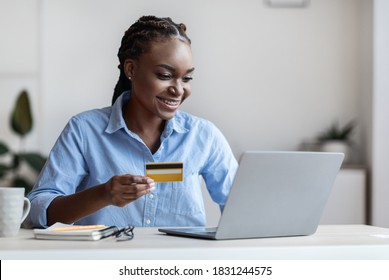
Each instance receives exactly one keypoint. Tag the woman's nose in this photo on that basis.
(177, 89)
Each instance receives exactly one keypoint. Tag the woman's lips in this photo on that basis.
(170, 102)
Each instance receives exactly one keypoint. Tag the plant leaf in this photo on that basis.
(3, 148)
(348, 129)
(335, 132)
(4, 169)
(21, 117)
(15, 162)
(34, 160)
(20, 182)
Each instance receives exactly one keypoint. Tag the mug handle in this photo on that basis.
(26, 209)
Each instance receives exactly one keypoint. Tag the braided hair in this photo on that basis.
(137, 40)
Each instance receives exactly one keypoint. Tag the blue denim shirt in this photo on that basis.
(95, 145)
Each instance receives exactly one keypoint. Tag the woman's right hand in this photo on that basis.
(124, 189)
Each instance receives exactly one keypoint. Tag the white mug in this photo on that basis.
(14, 208)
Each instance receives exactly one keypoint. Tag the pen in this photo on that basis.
(77, 228)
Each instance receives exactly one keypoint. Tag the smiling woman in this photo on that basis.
(136, 41)
(96, 171)
(160, 83)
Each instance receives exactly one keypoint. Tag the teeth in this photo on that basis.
(171, 102)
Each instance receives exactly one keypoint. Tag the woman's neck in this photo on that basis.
(149, 128)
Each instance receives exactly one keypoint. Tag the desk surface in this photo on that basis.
(329, 242)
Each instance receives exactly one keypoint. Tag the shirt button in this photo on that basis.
(148, 221)
(151, 196)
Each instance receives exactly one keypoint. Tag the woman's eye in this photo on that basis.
(164, 76)
(187, 79)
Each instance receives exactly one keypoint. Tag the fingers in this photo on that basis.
(138, 186)
(132, 196)
(136, 190)
(125, 189)
(132, 180)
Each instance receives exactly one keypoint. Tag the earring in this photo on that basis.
(129, 77)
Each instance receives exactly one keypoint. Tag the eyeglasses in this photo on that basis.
(123, 234)
(126, 233)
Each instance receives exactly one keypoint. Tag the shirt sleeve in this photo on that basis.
(62, 173)
(220, 169)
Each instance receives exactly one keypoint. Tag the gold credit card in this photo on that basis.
(165, 171)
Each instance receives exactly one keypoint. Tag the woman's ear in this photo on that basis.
(128, 68)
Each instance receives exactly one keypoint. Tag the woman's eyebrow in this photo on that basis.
(190, 70)
(172, 69)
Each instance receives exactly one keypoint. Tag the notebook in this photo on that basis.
(60, 231)
(274, 194)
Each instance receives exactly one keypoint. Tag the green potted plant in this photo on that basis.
(337, 138)
(11, 163)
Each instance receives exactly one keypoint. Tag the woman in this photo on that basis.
(95, 171)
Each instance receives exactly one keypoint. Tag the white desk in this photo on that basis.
(329, 242)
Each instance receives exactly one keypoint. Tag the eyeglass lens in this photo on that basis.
(125, 234)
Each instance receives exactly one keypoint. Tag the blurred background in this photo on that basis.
(272, 75)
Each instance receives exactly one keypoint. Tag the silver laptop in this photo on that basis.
(274, 194)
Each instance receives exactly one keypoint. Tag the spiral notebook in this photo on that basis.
(60, 231)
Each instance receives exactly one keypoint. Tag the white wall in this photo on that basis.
(19, 63)
(273, 76)
(380, 153)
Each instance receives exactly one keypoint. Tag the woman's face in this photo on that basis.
(161, 78)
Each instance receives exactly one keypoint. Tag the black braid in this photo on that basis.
(137, 39)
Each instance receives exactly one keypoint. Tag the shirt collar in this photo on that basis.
(175, 124)
(116, 120)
